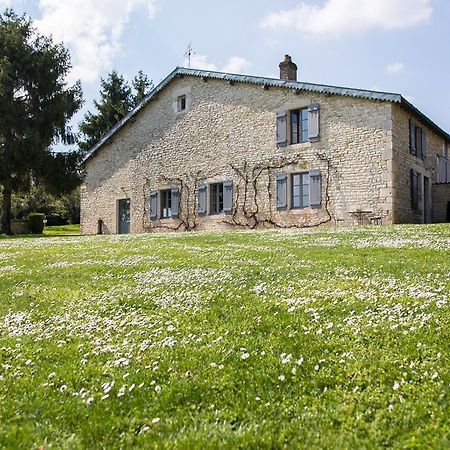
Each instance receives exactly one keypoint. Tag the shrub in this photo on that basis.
(36, 221)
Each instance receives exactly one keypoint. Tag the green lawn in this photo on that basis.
(63, 230)
(325, 338)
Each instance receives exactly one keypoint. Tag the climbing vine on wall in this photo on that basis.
(251, 182)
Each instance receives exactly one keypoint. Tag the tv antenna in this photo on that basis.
(189, 54)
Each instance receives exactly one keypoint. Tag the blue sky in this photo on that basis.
(390, 45)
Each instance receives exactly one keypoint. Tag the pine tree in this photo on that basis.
(116, 100)
(35, 107)
(142, 86)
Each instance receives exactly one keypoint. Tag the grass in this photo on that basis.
(62, 230)
(56, 230)
(326, 338)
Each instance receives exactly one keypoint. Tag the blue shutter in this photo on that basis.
(282, 128)
(202, 198)
(314, 122)
(412, 137)
(315, 188)
(281, 190)
(154, 205)
(175, 202)
(227, 196)
(424, 145)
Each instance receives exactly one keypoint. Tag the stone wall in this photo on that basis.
(228, 133)
(404, 161)
(441, 200)
(20, 226)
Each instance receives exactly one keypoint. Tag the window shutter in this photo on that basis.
(424, 145)
(202, 198)
(315, 189)
(282, 128)
(412, 137)
(175, 202)
(282, 190)
(227, 196)
(153, 205)
(313, 122)
(414, 190)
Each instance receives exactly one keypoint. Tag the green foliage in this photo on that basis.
(35, 107)
(142, 86)
(324, 338)
(116, 100)
(36, 221)
(38, 199)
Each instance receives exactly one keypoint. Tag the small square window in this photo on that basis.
(181, 103)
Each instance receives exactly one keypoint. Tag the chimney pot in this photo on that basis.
(288, 69)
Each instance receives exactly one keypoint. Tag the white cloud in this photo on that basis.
(235, 64)
(91, 29)
(339, 17)
(395, 68)
(200, 62)
(5, 4)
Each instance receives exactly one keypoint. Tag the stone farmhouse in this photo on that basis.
(208, 150)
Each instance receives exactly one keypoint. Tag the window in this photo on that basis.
(181, 103)
(299, 126)
(216, 198)
(443, 170)
(300, 190)
(304, 190)
(417, 140)
(166, 203)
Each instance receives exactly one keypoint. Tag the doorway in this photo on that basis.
(124, 216)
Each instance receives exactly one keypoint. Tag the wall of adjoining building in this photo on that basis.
(404, 161)
(441, 203)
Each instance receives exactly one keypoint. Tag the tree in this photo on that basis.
(115, 95)
(142, 86)
(35, 107)
(116, 100)
(65, 207)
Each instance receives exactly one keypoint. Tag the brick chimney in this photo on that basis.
(288, 69)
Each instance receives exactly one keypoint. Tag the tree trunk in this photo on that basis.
(5, 222)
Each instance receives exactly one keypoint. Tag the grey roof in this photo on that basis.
(270, 82)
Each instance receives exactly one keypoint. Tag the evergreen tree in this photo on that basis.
(116, 100)
(142, 86)
(35, 107)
